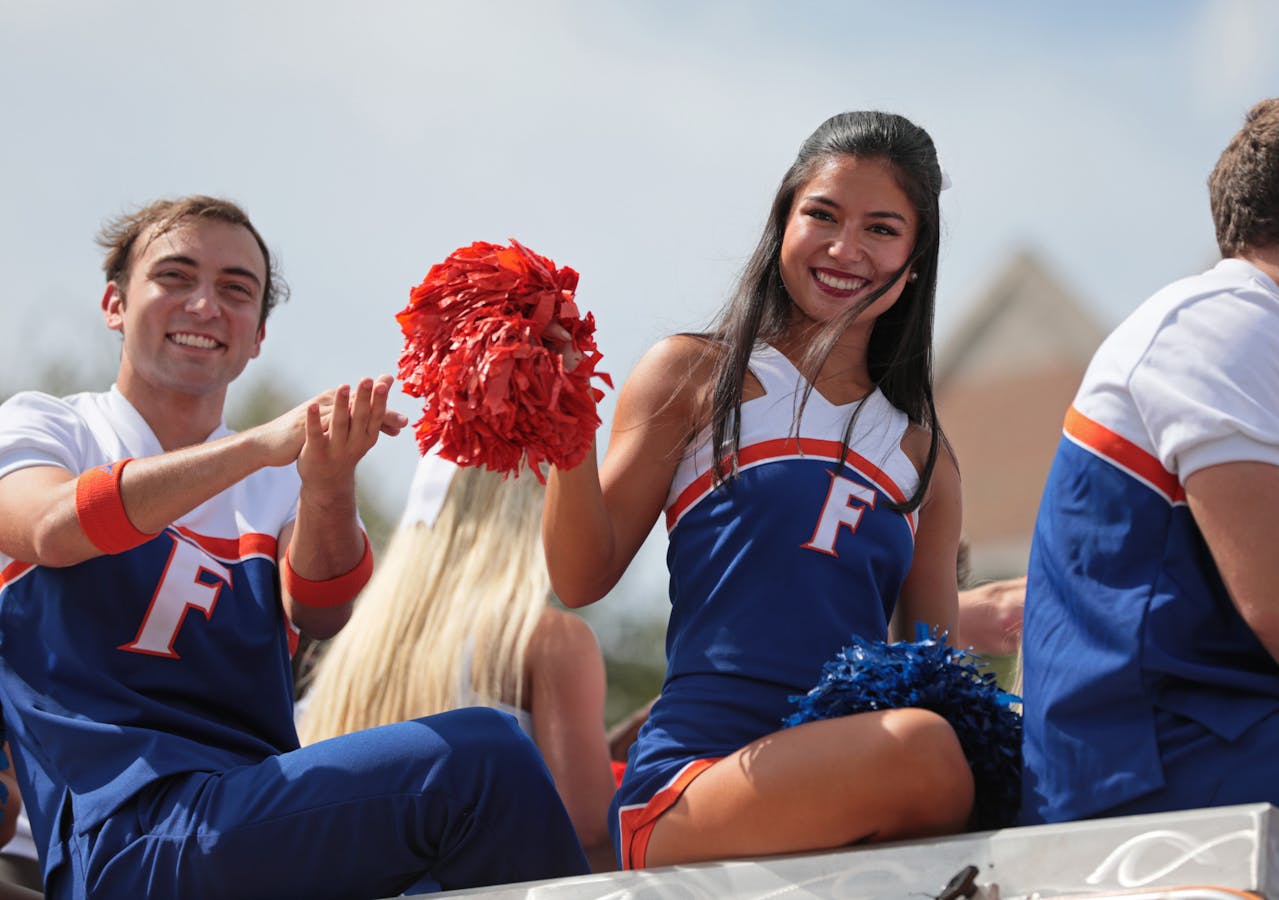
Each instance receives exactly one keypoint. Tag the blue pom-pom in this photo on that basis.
(929, 674)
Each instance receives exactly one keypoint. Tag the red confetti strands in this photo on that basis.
(493, 394)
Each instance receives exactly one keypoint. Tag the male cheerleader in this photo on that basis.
(1152, 607)
(152, 565)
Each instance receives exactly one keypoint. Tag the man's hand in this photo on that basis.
(39, 522)
(358, 420)
(340, 427)
(326, 542)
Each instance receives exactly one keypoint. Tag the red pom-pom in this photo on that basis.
(494, 394)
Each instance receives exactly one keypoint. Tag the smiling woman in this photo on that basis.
(797, 459)
(852, 229)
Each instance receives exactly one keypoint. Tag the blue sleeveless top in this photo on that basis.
(772, 573)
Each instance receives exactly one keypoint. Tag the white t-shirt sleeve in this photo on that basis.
(40, 430)
(1207, 387)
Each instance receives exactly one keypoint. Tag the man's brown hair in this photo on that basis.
(120, 235)
(1244, 186)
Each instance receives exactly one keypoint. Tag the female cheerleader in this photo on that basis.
(809, 494)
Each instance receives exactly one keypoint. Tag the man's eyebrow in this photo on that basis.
(247, 273)
(174, 258)
(188, 261)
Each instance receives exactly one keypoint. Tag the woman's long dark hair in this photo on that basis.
(900, 355)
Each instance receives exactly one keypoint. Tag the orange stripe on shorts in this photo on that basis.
(636, 822)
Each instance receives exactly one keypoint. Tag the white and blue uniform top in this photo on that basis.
(771, 573)
(1127, 619)
(171, 657)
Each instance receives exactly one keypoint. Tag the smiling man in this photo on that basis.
(153, 565)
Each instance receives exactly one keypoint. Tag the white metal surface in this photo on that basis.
(1206, 854)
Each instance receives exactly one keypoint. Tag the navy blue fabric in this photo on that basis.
(1126, 620)
(460, 799)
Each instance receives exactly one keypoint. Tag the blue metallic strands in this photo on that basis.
(929, 674)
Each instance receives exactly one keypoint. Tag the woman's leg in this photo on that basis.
(873, 776)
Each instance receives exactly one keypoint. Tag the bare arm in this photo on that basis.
(566, 675)
(38, 521)
(930, 592)
(990, 617)
(624, 733)
(1236, 506)
(326, 541)
(595, 519)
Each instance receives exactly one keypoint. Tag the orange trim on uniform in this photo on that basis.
(99, 507)
(784, 448)
(1123, 452)
(14, 571)
(331, 592)
(636, 822)
(294, 637)
(233, 549)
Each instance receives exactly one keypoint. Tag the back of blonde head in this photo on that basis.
(465, 592)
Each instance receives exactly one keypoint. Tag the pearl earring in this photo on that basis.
(912, 277)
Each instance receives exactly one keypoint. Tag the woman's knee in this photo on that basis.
(940, 789)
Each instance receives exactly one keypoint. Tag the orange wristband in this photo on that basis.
(100, 509)
(333, 592)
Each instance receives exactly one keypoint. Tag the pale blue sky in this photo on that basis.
(637, 142)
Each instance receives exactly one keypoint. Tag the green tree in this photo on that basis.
(62, 377)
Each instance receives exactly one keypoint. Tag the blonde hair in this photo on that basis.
(467, 590)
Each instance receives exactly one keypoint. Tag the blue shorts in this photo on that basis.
(457, 800)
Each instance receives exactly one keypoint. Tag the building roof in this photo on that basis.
(1025, 319)
(1004, 378)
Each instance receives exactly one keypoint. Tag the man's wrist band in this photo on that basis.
(334, 591)
(100, 509)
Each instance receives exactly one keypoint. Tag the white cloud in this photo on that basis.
(1234, 53)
